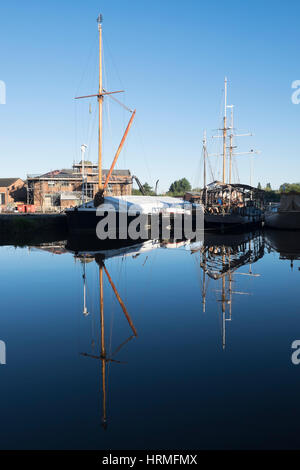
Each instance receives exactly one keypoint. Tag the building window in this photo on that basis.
(51, 200)
(2, 198)
(89, 190)
(65, 183)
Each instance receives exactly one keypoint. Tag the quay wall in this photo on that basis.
(30, 229)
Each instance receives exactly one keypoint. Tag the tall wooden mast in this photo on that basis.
(224, 131)
(100, 104)
(204, 164)
(231, 145)
(204, 159)
(100, 95)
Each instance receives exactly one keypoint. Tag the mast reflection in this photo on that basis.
(220, 258)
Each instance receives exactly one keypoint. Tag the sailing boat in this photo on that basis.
(227, 204)
(85, 217)
(287, 215)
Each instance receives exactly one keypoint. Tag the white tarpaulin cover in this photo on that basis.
(290, 202)
(142, 204)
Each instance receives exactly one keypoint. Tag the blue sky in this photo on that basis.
(171, 58)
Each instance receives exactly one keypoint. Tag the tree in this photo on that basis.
(148, 189)
(268, 187)
(259, 186)
(288, 187)
(180, 186)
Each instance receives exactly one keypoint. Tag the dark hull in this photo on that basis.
(84, 223)
(232, 222)
(283, 220)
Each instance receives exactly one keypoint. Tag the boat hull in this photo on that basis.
(82, 223)
(283, 220)
(231, 221)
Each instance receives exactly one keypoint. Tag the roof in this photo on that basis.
(215, 184)
(118, 172)
(67, 173)
(61, 174)
(5, 182)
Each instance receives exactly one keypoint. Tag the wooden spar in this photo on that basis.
(100, 103)
(99, 94)
(120, 301)
(204, 165)
(231, 147)
(103, 352)
(204, 159)
(102, 312)
(204, 286)
(119, 150)
(230, 283)
(223, 303)
(224, 134)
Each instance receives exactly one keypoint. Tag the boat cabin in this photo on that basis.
(219, 198)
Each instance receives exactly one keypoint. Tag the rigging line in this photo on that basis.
(75, 132)
(91, 134)
(107, 107)
(92, 321)
(110, 55)
(79, 310)
(112, 60)
(92, 48)
(89, 131)
(143, 149)
(112, 303)
(122, 345)
(237, 171)
(94, 308)
(196, 180)
(210, 169)
(119, 102)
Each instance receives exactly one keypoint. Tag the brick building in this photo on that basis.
(60, 189)
(12, 190)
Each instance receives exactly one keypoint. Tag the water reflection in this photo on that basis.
(286, 243)
(220, 258)
(104, 357)
(223, 260)
(100, 256)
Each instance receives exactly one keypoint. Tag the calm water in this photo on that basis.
(210, 366)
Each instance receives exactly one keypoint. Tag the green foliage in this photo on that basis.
(268, 187)
(180, 187)
(147, 188)
(136, 192)
(288, 187)
(259, 186)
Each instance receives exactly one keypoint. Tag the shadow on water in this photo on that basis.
(30, 230)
